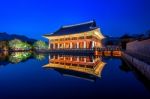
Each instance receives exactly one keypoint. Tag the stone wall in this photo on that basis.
(139, 47)
(141, 66)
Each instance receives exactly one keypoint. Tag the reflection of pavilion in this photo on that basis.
(77, 64)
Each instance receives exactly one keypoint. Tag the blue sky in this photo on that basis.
(34, 18)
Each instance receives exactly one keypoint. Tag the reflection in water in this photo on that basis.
(39, 56)
(16, 57)
(129, 68)
(28, 77)
(4, 55)
(3, 58)
(79, 66)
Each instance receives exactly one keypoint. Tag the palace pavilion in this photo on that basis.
(78, 36)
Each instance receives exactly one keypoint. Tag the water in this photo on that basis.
(23, 75)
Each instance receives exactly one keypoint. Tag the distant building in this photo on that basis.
(78, 36)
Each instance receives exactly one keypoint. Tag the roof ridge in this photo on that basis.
(67, 26)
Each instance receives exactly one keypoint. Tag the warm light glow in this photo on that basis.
(86, 64)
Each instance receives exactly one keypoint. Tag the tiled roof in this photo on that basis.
(74, 29)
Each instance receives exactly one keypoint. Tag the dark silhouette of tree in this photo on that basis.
(125, 39)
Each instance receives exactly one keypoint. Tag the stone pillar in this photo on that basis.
(100, 43)
(71, 58)
(70, 45)
(77, 44)
(53, 45)
(49, 56)
(93, 45)
(84, 44)
(77, 58)
(64, 57)
(54, 57)
(85, 59)
(64, 45)
(58, 46)
(93, 59)
(58, 57)
(49, 44)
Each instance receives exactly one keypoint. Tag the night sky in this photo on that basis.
(34, 18)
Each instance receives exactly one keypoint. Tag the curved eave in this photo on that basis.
(96, 72)
(98, 33)
(74, 32)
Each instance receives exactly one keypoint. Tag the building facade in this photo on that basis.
(79, 36)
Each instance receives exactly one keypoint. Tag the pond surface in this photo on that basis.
(26, 75)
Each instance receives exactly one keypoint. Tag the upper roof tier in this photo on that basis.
(74, 29)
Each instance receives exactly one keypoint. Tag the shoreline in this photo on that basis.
(140, 65)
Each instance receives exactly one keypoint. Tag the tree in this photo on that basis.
(26, 46)
(15, 44)
(40, 45)
(18, 44)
